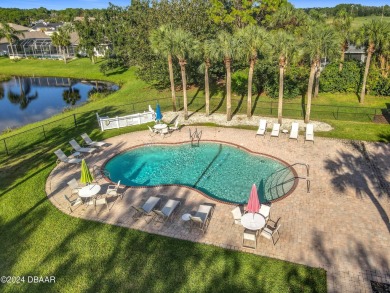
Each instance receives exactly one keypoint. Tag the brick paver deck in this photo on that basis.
(342, 225)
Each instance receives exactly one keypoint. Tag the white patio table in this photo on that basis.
(89, 191)
(253, 221)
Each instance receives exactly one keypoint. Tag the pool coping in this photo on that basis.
(292, 189)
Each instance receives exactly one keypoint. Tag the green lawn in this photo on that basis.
(358, 22)
(38, 240)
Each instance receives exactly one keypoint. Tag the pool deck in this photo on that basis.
(342, 225)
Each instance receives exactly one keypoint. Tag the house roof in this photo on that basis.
(352, 49)
(17, 27)
(74, 37)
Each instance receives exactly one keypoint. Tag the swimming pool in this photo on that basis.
(221, 171)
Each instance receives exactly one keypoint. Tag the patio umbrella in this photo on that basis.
(253, 203)
(158, 113)
(86, 176)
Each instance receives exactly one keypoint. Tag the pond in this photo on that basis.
(25, 100)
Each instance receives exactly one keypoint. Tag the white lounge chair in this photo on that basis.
(236, 212)
(65, 159)
(275, 130)
(202, 217)
(294, 131)
(147, 208)
(262, 127)
(78, 148)
(167, 211)
(92, 143)
(309, 132)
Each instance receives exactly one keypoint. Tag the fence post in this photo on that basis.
(6, 149)
(75, 121)
(44, 133)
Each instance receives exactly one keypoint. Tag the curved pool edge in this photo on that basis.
(195, 189)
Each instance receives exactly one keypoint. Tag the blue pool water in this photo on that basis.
(221, 171)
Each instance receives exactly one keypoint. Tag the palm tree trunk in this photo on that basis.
(228, 90)
(64, 54)
(184, 81)
(250, 78)
(342, 58)
(310, 90)
(382, 60)
(12, 49)
(170, 67)
(317, 84)
(281, 84)
(370, 50)
(207, 87)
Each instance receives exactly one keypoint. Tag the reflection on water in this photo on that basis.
(31, 99)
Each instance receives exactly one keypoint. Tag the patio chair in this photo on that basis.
(98, 201)
(265, 211)
(78, 148)
(166, 212)
(236, 212)
(146, 209)
(309, 136)
(72, 203)
(270, 231)
(294, 131)
(99, 174)
(262, 127)
(249, 235)
(61, 157)
(74, 186)
(275, 130)
(202, 217)
(175, 127)
(92, 143)
(112, 190)
(152, 132)
(165, 132)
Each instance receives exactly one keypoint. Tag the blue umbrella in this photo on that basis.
(158, 113)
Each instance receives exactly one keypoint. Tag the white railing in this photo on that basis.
(106, 123)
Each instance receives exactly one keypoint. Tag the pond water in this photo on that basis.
(28, 99)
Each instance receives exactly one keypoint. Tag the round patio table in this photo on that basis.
(160, 126)
(253, 221)
(89, 190)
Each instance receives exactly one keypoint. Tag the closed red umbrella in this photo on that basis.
(253, 203)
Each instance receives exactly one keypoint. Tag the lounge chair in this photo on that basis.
(78, 148)
(262, 127)
(294, 131)
(309, 132)
(72, 203)
(175, 127)
(265, 211)
(202, 217)
(92, 143)
(65, 159)
(275, 130)
(167, 211)
(251, 236)
(236, 212)
(146, 209)
(74, 186)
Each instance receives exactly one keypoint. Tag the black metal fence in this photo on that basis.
(75, 123)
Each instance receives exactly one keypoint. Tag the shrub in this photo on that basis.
(348, 80)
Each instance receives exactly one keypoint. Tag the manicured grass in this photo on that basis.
(358, 22)
(39, 240)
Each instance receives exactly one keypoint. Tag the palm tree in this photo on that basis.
(162, 42)
(251, 40)
(342, 23)
(372, 35)
(184, 45)
(71, 96)
(10, 34)
(61, 39)
(318, 41)
(283, 45)
(226, 50)
(207, 52)
(24, 97)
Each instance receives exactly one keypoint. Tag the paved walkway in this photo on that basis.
(342, 225)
